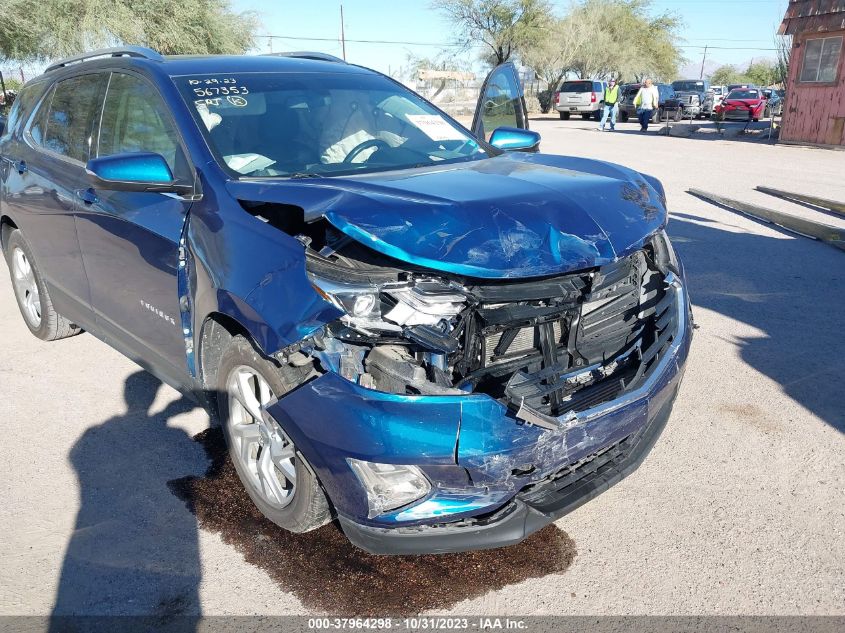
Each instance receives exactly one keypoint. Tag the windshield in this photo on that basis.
(689, 86)
(264, 125)
(744, 94)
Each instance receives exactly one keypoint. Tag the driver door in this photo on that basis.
(501, 102)
(130, 240)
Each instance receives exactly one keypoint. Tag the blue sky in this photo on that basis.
(729, 24)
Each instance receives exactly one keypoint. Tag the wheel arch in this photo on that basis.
(216, 333)
(7, 225)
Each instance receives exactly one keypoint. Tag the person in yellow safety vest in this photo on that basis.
(610, 99)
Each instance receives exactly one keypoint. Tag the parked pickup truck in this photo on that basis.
(668, 107)
(695, 96)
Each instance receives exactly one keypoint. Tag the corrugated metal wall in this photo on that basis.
(814, 113)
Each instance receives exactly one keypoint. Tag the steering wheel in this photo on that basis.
(360, 147)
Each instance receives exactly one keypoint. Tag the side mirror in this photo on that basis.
(135, 171)
(2, 125)
(513, 139)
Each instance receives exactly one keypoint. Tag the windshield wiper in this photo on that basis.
(304, 174)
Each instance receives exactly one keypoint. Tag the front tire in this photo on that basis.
(32, 294)
(275, 474)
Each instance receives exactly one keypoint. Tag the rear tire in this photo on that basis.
(587, 116)
(564, 115)
(32, 295)
(623, 117)
(283, 486)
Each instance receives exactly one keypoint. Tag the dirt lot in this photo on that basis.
(740, 509)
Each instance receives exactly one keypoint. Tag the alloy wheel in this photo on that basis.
(26, 287)
(265, 454)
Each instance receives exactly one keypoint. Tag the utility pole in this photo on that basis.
(342, 34)
(703, 59)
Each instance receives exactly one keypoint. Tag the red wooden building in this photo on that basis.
(814, 109)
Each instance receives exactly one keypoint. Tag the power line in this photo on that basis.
(727, 48)
(452, 45)
(334, 39)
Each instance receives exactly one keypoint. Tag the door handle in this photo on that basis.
(20, 166)
(87, 195)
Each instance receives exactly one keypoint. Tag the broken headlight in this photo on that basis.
(361, 303)
(389, 486)
(393, 307)
(664, 253)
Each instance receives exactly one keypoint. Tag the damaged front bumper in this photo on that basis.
(495, 479)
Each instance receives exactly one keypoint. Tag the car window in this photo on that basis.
(744, 94)
(500, 103)
(136, 120)
(689, 86)
(63, 123)
(38, 125)
(22, 106)
(577, 86)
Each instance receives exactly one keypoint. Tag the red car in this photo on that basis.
(742, 104)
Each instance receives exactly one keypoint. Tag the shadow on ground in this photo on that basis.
(326, 572)
(702, 129)
(134, 549)
(789, 289)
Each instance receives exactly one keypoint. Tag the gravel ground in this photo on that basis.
(740, 508)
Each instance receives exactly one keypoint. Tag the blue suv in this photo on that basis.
(438, 336)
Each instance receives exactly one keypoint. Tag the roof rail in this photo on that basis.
(323, 57)
(120, 51)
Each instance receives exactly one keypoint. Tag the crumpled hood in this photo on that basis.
(512, 216)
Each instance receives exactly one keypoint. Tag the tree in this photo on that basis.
(762, 73)
(627, 41)
(553, 54)
(443, 61)
(725, 75)
(783, 43)
(604, 38)
(504, 26)
(58, 28)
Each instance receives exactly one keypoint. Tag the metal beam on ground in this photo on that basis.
(829, 205)
(808, 228)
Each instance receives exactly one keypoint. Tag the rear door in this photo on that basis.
(130, 240)
(501, 102)
(46, 175)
